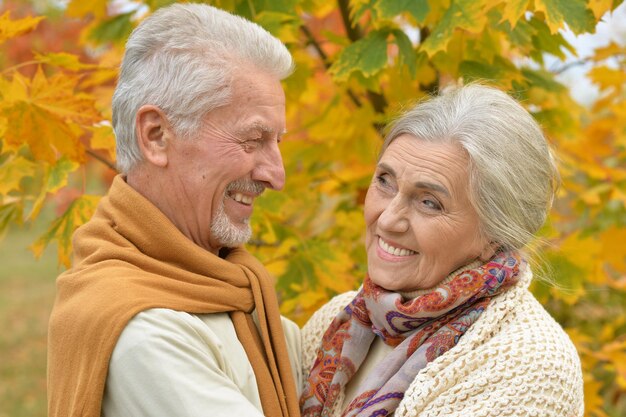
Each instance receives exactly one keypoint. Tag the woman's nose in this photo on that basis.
(394, 216)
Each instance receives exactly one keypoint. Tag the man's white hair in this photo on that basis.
(182, 59)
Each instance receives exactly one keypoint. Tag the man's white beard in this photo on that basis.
(228, 234)
(222, 228)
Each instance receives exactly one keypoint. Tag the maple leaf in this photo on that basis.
(573, 12)
(367, 56)
(64, 60)
(13, 171)
(61, 229)
(600, 7)
(469, 15)
(81, 8)
(390, 9)
(47, 114)
(12, 28)
(513, 10)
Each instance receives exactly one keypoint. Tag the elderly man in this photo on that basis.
(163, 313)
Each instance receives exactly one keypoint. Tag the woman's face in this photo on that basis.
(420, 223)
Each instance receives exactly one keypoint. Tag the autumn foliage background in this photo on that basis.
(359, 62)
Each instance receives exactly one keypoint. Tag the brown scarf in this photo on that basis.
(128, 258)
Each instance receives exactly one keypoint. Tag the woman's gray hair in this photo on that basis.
(512, 173)
(182, 59)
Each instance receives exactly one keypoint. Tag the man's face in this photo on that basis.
(233, 158)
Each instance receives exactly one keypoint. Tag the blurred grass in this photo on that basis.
(26, 298)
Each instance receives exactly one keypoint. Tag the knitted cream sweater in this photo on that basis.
(514, 361)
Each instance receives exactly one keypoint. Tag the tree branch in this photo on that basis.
(102, 159)
(313, 42)
(354, 32)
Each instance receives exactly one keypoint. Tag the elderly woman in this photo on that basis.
(444, 324)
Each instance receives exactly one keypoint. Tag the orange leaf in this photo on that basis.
(12, 28)
(47, 115)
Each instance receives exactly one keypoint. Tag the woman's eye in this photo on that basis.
(382, 179)
(431, 204)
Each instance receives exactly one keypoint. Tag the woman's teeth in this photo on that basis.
(394, 251)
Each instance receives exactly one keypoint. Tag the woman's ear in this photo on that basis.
(153, 134)
(488, 251)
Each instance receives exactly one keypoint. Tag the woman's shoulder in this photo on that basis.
(320, 320)
(314, 329)
(515, 357)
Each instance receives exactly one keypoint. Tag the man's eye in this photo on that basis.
(251, 144)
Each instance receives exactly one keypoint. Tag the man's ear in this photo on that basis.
(153, 134)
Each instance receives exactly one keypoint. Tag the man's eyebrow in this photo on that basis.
(419, 184)
(259, 127)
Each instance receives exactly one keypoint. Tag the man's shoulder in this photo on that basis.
(164, 326)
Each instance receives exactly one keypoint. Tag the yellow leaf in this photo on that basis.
(55, 177)
(47, 114)
(592, 196)
(13, 171)
(277, 268)
(594, 403)
(600, 7)
(62, 228)
(12, 28)
(103, 138)
(615, 354)
(514, 9)
(468, 15)
(606, 77)
(613, 252)
(3, 127)
(63, 60)
(586, 254)
(81, 8)
(610, 51)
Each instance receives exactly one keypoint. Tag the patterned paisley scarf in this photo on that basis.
(419, 329)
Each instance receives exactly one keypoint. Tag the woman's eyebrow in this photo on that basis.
(419, 184)
(432, 186)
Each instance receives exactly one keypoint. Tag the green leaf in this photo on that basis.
(10, 214)
(498, 70)
(544, 41)
(513, 11)
(389, 9)
(360, 7)
(62, 228)
(521, 35)
(573, 12)
(58, 173)
(282, 25)
(408, 55)
(469, 15)
(116, 29)
(367, 56)
(542, 79)
(13, 171)
(157, 4)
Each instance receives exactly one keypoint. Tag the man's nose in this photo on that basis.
(270, 167)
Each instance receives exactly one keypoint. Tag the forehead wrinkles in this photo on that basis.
(416, 160)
